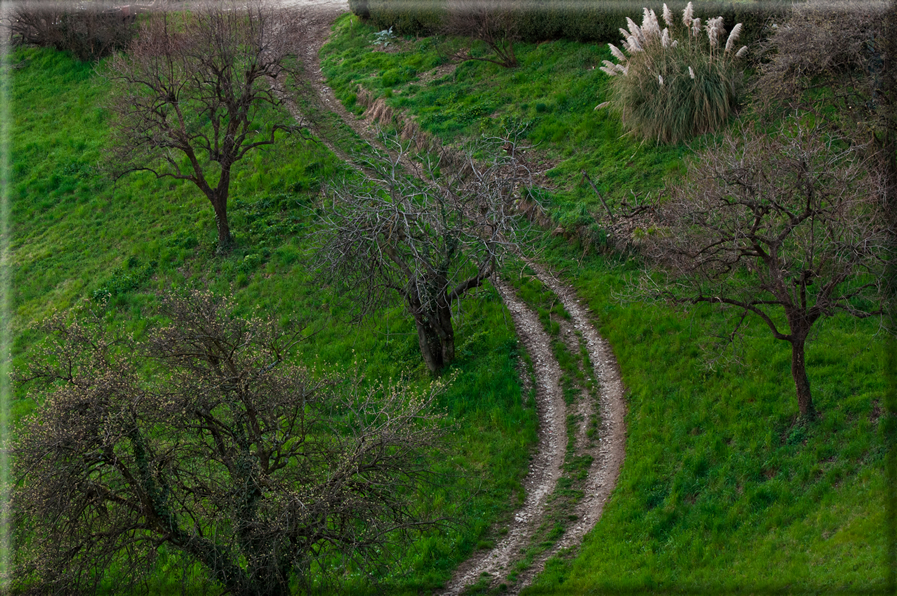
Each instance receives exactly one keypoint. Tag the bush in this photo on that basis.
(542, 20)
(87, 34)
(670, 89)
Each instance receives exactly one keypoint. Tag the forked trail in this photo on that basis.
(602, 407)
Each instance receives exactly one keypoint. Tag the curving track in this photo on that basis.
(607, 452)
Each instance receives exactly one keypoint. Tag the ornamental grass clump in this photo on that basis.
(677, 82)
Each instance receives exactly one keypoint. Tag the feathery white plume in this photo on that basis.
(741, 52)
(602, 105)
(733, 37)
(634, 29)
(675, 43)
(608, 71)
(617, 53)
(667, 15)
(696, 27)
(650, 26)
(691, 73)
(660, 78)
(714, 29)
(687, 14)
(665, 38)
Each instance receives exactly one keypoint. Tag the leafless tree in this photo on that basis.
(204, 440)
(494, 23)
(835, 45)
(430, 239)
(770, 224)
(196, 91)
(837, 59)
(90, 31)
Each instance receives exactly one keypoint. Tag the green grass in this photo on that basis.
(720, 490)
(553, 93)
(79, 236)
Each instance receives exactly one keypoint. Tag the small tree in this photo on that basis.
(190, 92)
(493, 23)
(430, 240)
(206, 442)
(790, 223)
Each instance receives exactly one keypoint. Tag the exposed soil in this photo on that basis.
(545, 468)
(608, 456)
(607, 451)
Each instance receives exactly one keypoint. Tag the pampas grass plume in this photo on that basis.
(617, 53)
(687, 14)
(733, 37)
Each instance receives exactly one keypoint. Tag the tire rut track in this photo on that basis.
(546, 467)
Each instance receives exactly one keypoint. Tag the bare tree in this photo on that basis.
(789, 224)
(430, 239)
(207, 442)
(494, 23)
(193, 92)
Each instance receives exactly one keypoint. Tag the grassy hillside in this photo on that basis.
(77, 235)
(720, 489)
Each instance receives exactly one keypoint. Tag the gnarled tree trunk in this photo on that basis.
(218, 197)
(435, 335)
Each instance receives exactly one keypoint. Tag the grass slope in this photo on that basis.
(720, 490)
(76, 235)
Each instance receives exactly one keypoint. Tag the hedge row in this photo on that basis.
(584, 20)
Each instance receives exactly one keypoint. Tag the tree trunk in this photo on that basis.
(448, 334)
(430, 346)
(436, 337)
(219, 197)
(801, 381)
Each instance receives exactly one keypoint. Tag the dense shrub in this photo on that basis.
(360, 7)
(542, 20)
(88, 34)
(675, 83)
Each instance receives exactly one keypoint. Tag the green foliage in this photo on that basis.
(123, 280)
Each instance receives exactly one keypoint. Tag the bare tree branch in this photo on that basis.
(790, 223)
(190, 94)
(429, 239)
(218, 448)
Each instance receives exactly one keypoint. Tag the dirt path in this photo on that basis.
(545, 468)
(609, 454)
(607, 451)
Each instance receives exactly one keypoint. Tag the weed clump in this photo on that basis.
(672, 89)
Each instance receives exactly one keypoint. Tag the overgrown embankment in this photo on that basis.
(720, 485)
(77, 236)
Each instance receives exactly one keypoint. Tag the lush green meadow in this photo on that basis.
(721, 489)
(77, 235)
